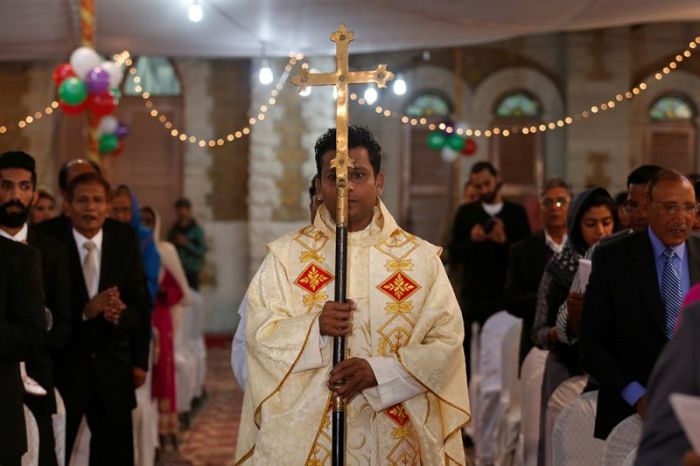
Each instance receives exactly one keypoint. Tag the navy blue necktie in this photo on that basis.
(671, 292)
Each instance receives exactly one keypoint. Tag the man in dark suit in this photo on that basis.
(632, 302)
(22, 336)
(529, 257)
(482, 235)
(677, 371)
(17, 195)
(108, 354)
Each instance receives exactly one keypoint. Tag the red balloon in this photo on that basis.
(102, 104)
(61, 72)
(469, 147)
(72, 109)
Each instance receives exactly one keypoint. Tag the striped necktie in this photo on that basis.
(671, 292)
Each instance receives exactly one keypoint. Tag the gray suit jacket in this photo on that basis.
(677, 371)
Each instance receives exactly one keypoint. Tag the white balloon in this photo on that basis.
(107, 125)
(83, 59)
(448, 155)
(115, 73)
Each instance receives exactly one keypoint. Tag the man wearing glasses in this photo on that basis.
(634, 296)
(529, 256)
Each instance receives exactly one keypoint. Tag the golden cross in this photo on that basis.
(341, 78)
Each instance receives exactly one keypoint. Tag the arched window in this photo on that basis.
(519, 157)
(670, 136)
(158, 77)
(429, 105)
(518, 105)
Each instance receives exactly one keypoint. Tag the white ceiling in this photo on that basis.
(33, 29)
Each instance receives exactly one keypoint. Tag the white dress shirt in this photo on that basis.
(238, 362)
(553, 245)
(80, 240)
(21, 235)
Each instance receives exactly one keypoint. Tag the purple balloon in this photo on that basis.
(122, 130)
(97, 80)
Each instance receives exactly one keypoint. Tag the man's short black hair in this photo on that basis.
(643, 174)
(312, 188)
(358, 136)
(19, 159)
(86, 178)
(63, 172)
(479, 167)
(183, 202)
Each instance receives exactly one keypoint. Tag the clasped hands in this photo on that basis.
(108, 303)
(351, 376)
(497, 233)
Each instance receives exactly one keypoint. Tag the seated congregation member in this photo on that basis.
(664, 441)
(44, 208)
(633, 299)
(173, 292)
(107, 356)
(22, 337)
(592, 216)
(17, 193)
(529, 257)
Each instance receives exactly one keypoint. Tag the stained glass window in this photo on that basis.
(518, 105)
(671, 107)
(428, 105)
(158, 77)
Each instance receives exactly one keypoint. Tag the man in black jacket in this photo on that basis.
(632, 302)
(108, 354)
(529, 257)
(17, 195)
(22, 337)
(482, 235)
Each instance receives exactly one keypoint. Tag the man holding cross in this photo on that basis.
(403, 380)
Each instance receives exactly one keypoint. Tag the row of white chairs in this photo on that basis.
(190, 374)
(506, 407)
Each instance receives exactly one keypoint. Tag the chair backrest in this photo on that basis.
(631, 457)
(511, 391)
(622, 441)
(532, 375)
(31, 456)
(59, 428)
(572, 437)
(490, 347)
(565, 394)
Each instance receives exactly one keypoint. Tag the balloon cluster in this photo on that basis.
(450, 145)
(89, 83)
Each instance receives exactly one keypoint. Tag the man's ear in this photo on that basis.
(317, 185)
(379, 183)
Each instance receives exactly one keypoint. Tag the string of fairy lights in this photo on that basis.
(124, 59)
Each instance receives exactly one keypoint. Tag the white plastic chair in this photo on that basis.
(487, 412)
(31, 456)
(531, 375)
(145, 421)
(59, 428)
(565, 394)
(622, 441)
(80, 456)
(199, 349)
(573, 443)
(508, 429)
(185, 361)
(631, 457)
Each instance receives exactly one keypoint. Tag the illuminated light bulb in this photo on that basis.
(3, 129)
(542, 128)
(29, 120)
(611, 104)
(497, 131)
(379, 109)
(477, 133)
(246, 131)
(272, 101)
(442, 126)
(414, 122)
(487, 133)
(195, 13)
(361, 101)
(635, 91)
(551, 126)
(265, 74)
(666, 70)
(679, 58)
(251, 120)
(387, 113)
(183, 137)
(306, 92)
(154, 113)
(533, 129)
(371, 95)
(193, 139)
(673, 65)
(560, 123)
(238, 134)
(628, 94)
(174, 133)
(448, 130)
(404, 119)
(229, 137)
(460, 131)
(525, 131)
(506, 133)
(202, 143)
(54, 104)
(568, 120)
(642, 86)
(399, 86)
(212, 143)
(219, 142)
(468, 132)
(423, 121)
(687, 54)
(594, 109)
(146, 95)
(168, 125)
(353, 96)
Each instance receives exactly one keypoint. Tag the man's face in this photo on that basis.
(89, 208)
(636, 206)
(485, 185)
(16, 196)
(364, 187)
(554, 207)
(121, 208)
(42, 210)
(147, 218)
(184, 214)
(671, 211)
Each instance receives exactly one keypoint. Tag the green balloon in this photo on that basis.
(108, 143)
(436, 140)
(73, 91)
(456, 143)
(117, 93)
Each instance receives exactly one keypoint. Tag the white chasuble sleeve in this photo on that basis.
(313, 356)
(394, 384)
